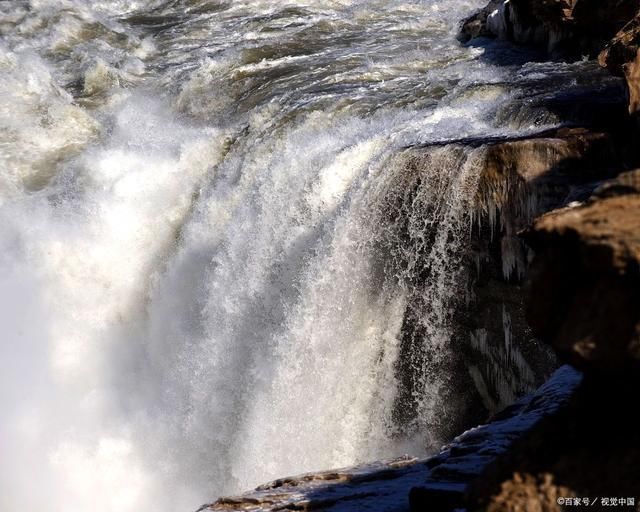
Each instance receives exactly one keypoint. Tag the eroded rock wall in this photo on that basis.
(585, 302)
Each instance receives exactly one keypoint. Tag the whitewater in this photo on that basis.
(214, 223)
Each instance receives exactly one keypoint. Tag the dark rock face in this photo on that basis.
(582, 450)
(520, 180)
(562, 27)
(585, 291)
(589, 18)
(476, 25)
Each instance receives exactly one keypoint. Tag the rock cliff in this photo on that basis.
(584, 300)
(583, 287)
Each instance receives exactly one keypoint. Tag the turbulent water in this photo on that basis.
(211, 233)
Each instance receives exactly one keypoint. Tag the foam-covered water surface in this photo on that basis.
(211, 232)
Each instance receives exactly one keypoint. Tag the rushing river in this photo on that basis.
(207, 247)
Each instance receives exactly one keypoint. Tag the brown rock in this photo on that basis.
(621, 58)
(625, 183)
(632, 75)
(522, 179)
(597, 18)
(585, 282)
(525, 492)
(530, 160)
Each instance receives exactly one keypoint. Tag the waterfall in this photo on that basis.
(223, 258)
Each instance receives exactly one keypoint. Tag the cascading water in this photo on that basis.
(212, 235)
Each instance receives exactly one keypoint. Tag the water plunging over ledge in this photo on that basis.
(220, 263)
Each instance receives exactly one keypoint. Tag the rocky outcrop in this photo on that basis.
(586, 449)
(520, 180)
(585, 301)
(523, 178)
(562, 27)
(478, 24)
(586, 279)
(621, 58)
